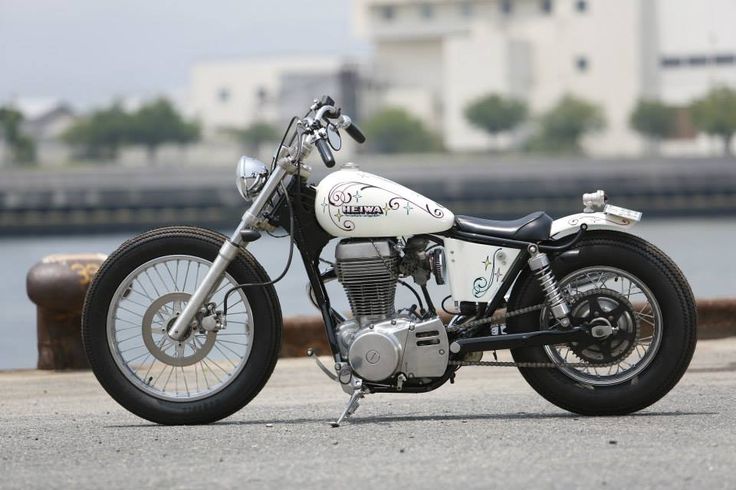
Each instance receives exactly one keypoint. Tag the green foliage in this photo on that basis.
(394, 130)
(157, 123)
(100, 135)
(495, 114)
(22, 148)
(255, 136)
(715, 114)
(654, 119)
(562, 127)
(104, 132)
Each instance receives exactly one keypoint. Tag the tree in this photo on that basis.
(394, 130)
(654, 120)
(562, 127)
(22, 148)
(255, 136)
(158, 122)
(715, 114)
(100, 135)
(495, 114)
(104, 132)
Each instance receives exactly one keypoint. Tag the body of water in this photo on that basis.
(704, 249)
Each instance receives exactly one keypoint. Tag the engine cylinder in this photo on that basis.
(368, 270)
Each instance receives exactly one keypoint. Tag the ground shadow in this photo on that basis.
(358, 420)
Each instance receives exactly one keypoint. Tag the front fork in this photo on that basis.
(229, 250)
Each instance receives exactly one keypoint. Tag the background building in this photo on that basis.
(434, 57)
(237, 93)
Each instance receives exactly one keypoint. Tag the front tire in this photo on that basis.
(135, 295)
(672, 315)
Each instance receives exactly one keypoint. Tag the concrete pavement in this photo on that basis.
(489, 430)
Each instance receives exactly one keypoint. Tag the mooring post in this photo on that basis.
(57, 285)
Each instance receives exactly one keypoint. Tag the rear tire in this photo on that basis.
(677, 339)
(247, 381)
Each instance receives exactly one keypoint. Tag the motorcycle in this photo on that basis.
(182, 325)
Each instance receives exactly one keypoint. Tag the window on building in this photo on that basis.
(261, 96)
(581, 63)
(426, 10)
(547, 6)
(670, 61)
(387, 12)
(223, 95)
(725, 59)
(581, 5)
(506, 7)
(697, 60)
(466, 9)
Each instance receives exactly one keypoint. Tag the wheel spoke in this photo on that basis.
(164, 367)
(633, 345)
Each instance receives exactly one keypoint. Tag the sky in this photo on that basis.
(89, 52)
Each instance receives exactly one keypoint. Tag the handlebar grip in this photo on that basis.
(325, 153)
(355, 133)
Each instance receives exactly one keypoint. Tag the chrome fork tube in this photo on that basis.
(225, 256)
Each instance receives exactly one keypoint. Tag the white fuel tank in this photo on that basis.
(353, 203)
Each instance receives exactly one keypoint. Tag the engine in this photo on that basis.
(379, 343)
(368, 270)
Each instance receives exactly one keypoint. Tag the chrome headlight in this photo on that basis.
(250, 176)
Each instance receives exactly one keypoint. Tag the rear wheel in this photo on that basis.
(645, 314)
(138, 294)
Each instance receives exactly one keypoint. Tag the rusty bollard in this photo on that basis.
(57, 286)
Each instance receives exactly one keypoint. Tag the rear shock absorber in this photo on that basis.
(539, 264)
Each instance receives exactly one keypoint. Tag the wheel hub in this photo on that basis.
(614, 326)
(158, 318)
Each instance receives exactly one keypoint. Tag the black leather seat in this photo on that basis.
(533, 227)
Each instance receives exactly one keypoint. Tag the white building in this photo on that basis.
(237, 93)
(435, 56)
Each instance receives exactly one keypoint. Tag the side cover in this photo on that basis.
(353, 203)
(475, 272)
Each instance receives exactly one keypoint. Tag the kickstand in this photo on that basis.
(352, 405)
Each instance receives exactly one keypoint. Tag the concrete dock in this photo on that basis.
(100, 198)
(488, 430)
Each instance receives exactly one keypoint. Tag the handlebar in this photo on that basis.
(325, 152)
(355, 132)
(324, 109)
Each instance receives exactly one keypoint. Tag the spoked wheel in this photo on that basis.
(643, 325)
(145, 306)
(137, 296)
(624, 314)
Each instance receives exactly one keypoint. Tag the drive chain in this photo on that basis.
(500, 320)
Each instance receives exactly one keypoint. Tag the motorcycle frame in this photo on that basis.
(310, 239)
(311, 244)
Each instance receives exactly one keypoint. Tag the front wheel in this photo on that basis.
(137, 295)
(644, 309)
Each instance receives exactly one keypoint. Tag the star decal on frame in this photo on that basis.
(487, 262)
(408, 207)
(339, 215)
(324, 204)
(385, 209)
